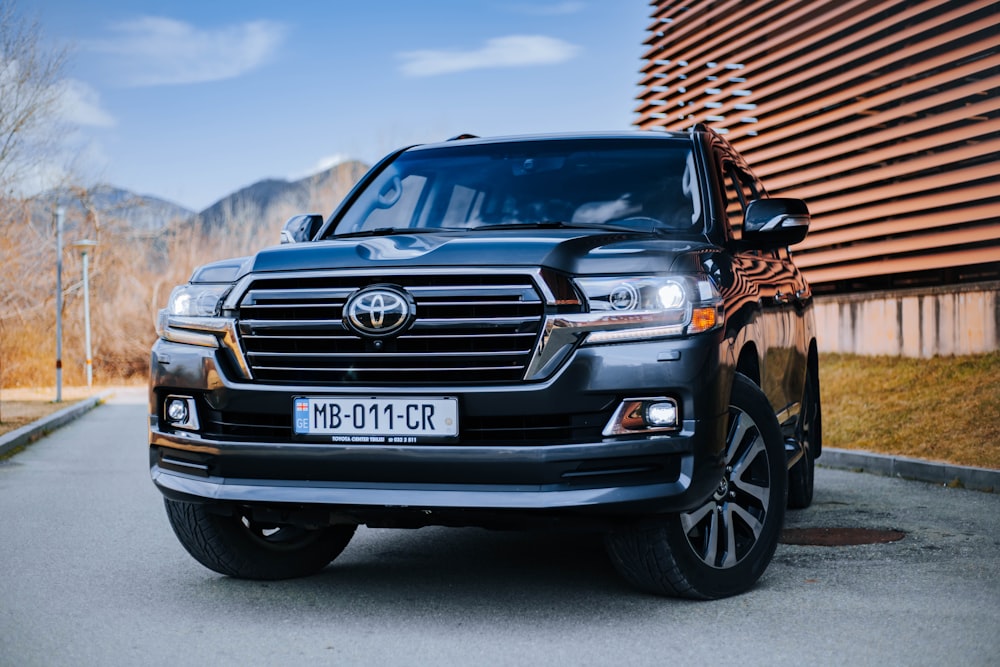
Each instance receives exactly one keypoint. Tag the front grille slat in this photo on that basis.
(469, 329)
(409, 357)
(473, 323)
(252, 326)
(259, 296)
(348, 369)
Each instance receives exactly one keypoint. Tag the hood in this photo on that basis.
(576, 251)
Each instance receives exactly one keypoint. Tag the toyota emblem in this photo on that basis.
(379, 311)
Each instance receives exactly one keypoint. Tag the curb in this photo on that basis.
(28, 434)
(946, 474)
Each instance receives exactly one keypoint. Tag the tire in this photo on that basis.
(801, 476)
(236, 546)
(722, 547)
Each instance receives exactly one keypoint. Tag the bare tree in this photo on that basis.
(30, 73)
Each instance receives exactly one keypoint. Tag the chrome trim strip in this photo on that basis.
(232, 299)
(188, 337)
(561, 333)
(193, 330)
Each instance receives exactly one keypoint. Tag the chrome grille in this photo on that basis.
(469, 329)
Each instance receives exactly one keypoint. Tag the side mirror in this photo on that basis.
(774, 223)
(301, 228)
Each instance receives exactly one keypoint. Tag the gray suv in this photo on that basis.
(590, 331)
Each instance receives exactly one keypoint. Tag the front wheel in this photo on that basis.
(235, 545)
(723, 546)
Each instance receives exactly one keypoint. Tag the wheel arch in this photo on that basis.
(748, 362)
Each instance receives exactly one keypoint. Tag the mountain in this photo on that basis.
(268, 203)
(106, 203)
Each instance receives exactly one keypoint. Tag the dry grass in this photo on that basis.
(131, 275)
(130, 279)
(20, 407)
(941, 409)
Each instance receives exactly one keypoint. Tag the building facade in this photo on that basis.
(884, 115)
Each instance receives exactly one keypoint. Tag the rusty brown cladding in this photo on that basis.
(884, 115)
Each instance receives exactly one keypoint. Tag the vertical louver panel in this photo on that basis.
(883, 115)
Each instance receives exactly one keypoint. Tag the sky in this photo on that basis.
(190, 100)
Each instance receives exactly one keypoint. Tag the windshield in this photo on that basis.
(572, 181)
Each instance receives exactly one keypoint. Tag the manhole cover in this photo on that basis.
(839, 537)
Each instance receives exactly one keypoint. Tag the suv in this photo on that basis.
(596, 331)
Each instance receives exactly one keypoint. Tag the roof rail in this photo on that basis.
(466, 135)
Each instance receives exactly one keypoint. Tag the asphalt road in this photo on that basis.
(92, 575)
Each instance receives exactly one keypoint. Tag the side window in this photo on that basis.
(741, 189)
(736, 201)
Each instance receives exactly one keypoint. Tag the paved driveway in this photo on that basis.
(92, 575)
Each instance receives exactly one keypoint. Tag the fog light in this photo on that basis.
(638, 415)
(177, 410)
(180, 412)
(661, 414)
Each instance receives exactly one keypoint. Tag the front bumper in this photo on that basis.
(573, 470)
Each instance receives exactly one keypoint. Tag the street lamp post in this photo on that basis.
(84, 246)
(59, 215)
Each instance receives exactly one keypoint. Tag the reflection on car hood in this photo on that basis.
(578, 251)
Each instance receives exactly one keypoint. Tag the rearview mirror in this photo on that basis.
(773, 223)
(301, 228)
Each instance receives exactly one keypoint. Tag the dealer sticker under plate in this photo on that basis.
(375, 420)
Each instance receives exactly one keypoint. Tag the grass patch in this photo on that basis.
(20, 407)
(941, 409)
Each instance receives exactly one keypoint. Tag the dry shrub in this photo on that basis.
(130, 278)
(131, 273)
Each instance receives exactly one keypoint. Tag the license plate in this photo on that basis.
(355, 419)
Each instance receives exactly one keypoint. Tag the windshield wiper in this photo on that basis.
(545, 224)
(386, 231)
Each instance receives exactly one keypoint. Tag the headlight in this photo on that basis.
(634, 294)
(196, 300)
(640, 307)
(192, 315)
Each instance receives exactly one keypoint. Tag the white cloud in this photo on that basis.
(510, 51)
(79, 104)
(73, 160)
(153, 50)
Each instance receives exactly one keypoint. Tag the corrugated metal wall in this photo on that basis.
(883, 115)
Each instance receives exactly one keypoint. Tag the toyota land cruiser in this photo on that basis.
(598, 331)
